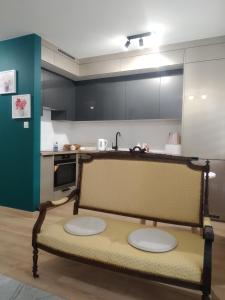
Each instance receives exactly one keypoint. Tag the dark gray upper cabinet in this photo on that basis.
(87, 103)
(58, 94)
(111, 97)
(171, 94)
(145, 96)
(100, 101)
(142, 98)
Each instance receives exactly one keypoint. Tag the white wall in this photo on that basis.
(54, 131)
(154, 132)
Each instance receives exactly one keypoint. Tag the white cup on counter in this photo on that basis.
(102, 144)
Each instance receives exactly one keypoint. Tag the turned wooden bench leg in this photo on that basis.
(35, 260)
(155, 223)
(206, 297)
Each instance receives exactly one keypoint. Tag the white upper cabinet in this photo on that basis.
(202, 53)
(47, 55)
(59, 60)
(64, 63)
(153, 60)
(101, 67)
(139, 62)
(203, 122)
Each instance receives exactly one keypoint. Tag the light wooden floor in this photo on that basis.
(74, 281)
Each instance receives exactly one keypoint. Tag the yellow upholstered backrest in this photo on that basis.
(163, 190)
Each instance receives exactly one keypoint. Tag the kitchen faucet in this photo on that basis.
(116, 146)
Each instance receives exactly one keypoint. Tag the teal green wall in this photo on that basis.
(19, 147)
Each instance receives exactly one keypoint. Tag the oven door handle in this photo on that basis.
(56, 166)
(66, 163)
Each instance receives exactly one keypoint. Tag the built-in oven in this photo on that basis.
(64, 171)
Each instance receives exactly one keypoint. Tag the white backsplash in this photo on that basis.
(154, 132)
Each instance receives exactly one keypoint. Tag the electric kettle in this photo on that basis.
(102, 144)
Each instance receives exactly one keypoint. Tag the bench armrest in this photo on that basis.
(43, 210)
(207, 222)
(208, 236)
(208, 233)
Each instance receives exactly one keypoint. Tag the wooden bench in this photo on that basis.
(148, 187)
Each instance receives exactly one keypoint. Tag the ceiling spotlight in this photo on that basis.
(141, 42)
(127, 43)
(139, 36)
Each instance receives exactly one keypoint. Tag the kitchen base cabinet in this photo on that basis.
(47, 178)
(217, 190)
(49, 190)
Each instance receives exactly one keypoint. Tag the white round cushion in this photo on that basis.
(152, 240)
(85, 226)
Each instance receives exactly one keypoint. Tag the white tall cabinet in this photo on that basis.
(203, 117)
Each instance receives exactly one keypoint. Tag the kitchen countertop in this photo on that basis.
(89, 150)
(50, 153)
(81, 150)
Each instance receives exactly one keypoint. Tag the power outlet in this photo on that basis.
(26, 124)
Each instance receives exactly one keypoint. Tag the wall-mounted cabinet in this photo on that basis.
(59, 61)
(136, 97)
(87, 103)
(112, 98)
(100, 101)
(204, 53)
(58, 94)
(142, 98)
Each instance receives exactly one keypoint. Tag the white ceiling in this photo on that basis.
(87, 28)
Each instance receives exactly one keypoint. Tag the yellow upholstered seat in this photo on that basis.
(184, 262)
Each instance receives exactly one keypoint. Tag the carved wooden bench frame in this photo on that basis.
(208, 235)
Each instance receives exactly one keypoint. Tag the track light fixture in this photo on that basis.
(127, 43)
(141, 42)
(137, 36)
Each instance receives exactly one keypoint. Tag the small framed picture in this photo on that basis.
(21, 106)
(8, 82)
